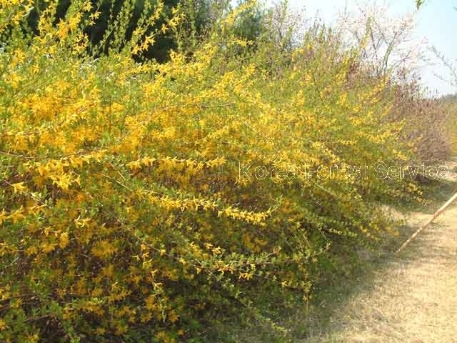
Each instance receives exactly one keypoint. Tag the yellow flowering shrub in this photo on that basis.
(138, 199)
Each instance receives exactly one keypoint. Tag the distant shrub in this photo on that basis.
(448, 104)
(426, 122)
(140, 200)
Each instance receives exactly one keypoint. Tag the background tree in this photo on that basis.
(101, 33)
(387, 42)
(198, 18)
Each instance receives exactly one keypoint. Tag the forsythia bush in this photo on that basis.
(138, 199)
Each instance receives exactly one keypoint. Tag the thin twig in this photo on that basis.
(437, 214)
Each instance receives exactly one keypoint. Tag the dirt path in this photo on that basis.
(413, 299)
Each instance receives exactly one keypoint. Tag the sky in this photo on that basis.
(435, 25)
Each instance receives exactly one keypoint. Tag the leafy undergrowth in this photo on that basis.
(148, 202)
(352, 304)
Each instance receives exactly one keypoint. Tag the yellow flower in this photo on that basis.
(62, 30)
(64, 240)
(3, 325)
(87, 7)
(103, 249)
(48, 247)
(19, 187)
(100, 331)
(17, 215)
(3, 216)
(63, 181)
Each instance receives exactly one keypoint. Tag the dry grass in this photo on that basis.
(411, 299)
